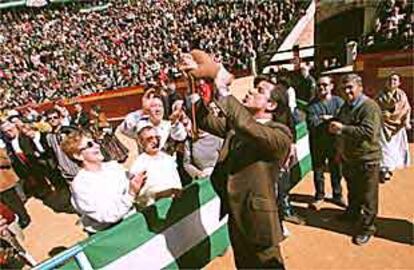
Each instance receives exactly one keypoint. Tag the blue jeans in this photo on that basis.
(319, 181)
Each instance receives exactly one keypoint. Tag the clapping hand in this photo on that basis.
(137, 182)
(177, 113)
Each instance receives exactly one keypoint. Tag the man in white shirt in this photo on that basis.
(129, 126)
(165, 128)
(160, 168)
(101, 191)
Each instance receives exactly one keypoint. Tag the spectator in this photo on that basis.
(67, 168)
(24, 154)
(101, 191)
(66, 119)
(359, 127)
(44, 157)
(307, 85)
(396, 112)
(392, 27)
(171, 97)
(59, 52)
(285, 86)
(282, 114)
(160, 183)
(166, 129)
(201, 154)
(101, 129)
(81, 118)
(323, 108)
(8, 194)
(130, 124)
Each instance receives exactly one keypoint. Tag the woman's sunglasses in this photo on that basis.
(89, 144)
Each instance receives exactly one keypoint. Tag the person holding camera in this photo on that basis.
(245, 174)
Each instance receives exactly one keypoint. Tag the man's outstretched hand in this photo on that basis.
(199, 64)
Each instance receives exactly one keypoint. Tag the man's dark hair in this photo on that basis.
(52, 111)
(264, 77)
(279, 96)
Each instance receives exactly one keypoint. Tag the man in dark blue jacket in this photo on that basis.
(324, 107)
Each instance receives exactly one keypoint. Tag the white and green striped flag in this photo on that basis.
(184, 233)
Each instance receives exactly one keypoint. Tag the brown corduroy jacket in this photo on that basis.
(247, 169)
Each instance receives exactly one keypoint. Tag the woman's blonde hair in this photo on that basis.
(70, 144)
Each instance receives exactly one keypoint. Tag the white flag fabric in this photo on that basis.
(36, 3)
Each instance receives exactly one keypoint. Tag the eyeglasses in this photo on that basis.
(89, 144)
(151, 138)
(54, 117)
(323, 84)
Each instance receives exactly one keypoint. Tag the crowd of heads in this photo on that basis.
(393, 28)
(55, 53)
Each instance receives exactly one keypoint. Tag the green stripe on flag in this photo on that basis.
(204, 252)
(301, 130)
(70, 265)
(103, 248)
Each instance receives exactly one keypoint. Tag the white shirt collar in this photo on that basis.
(262, 120)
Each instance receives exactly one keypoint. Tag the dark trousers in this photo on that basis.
(248, 256)
(13, 201)
(56, 179)
(283, 187)
(319, 158)
(362, 180)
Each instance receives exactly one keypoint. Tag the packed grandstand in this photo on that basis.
(62, 52)
(108, 82)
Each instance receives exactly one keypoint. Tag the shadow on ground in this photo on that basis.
(56, 250)
(396, 230)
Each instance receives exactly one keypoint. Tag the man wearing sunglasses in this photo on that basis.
(324, 107)
(168, 130)
(161, 183)
(67, 168)
(101, 192)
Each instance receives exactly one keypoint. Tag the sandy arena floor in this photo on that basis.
(321, 244)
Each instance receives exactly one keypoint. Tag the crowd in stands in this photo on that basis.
(393, 28)
(54, 53)
(59, 155)
(77, 159)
